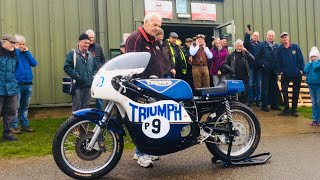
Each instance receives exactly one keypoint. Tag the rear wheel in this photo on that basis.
(248, 126)
(74, 159)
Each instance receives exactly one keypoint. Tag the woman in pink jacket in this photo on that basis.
(220, 54)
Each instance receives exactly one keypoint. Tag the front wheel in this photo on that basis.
(248, 127)
(70, 151)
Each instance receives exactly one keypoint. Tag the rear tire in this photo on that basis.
(246, 122)
(73, 159)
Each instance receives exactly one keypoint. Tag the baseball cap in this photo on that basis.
(173, 34)
(9, 37)
(284, 34)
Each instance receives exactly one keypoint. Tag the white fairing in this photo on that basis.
(126, 64)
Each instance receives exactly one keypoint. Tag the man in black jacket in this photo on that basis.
(98, 55)
(266, 58)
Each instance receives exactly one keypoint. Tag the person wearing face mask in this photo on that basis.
(8, 84)
(266, 58)
(237, 64)
(86, 68)
(220, 54)
(200, 59)
(312, 70)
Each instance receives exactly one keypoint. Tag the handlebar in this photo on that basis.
(132, 86)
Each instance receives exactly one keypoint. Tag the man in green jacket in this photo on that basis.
(83, 72)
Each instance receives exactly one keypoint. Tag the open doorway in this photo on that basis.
(189, 31)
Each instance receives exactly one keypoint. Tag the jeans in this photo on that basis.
(254, 89)
(99, 104)
(295, 91)
(217, 78)
(315, 99)
(23, 101)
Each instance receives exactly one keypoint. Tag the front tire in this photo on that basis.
(72, 157)
(246, 122)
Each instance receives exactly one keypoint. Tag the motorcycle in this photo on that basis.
(162, 116)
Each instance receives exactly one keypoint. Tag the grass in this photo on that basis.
(39, 142)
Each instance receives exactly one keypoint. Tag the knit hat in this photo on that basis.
(83, 36)
(314, 52)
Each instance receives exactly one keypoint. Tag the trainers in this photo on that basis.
(9, 137)
(284, 113)
(258, 104)
(145, 161)
(265, 108)
(153, 158)
(295, 114)
(314, 123)
(15, 131)
(26, 129)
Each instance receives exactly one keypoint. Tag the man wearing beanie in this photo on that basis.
(82, 72)
(291, 65)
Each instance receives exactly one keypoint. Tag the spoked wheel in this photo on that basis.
(248, 128)
(72, 156)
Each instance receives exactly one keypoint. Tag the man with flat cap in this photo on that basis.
(83, 72)
(291, 65)
(200, 59)
(176, 56)
(8, 84)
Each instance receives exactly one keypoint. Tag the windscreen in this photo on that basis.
(132, 60)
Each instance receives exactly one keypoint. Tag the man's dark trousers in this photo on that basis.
(270, 93)
(285, 80)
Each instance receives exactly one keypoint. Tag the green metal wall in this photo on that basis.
(53, 26)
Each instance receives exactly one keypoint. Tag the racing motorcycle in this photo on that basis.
(162, 116)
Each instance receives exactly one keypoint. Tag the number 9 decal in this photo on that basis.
(155, 127)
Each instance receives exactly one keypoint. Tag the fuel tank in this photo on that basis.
(175, 89)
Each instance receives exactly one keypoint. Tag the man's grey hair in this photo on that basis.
(271, 31)
(20, 38)
(239, 41)
(149, 16)
(90, 31)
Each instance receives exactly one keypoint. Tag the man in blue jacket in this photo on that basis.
(291, 65)
(266, 58)
(8, 84)
(255, 74)
(24, 77)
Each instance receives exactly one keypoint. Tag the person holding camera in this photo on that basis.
(255, 74)
(200, 58)
(237, 64)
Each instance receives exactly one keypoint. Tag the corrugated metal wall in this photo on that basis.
(53, 26)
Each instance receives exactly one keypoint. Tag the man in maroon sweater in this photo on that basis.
(143, 40)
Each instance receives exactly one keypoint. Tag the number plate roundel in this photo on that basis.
(156, 127)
